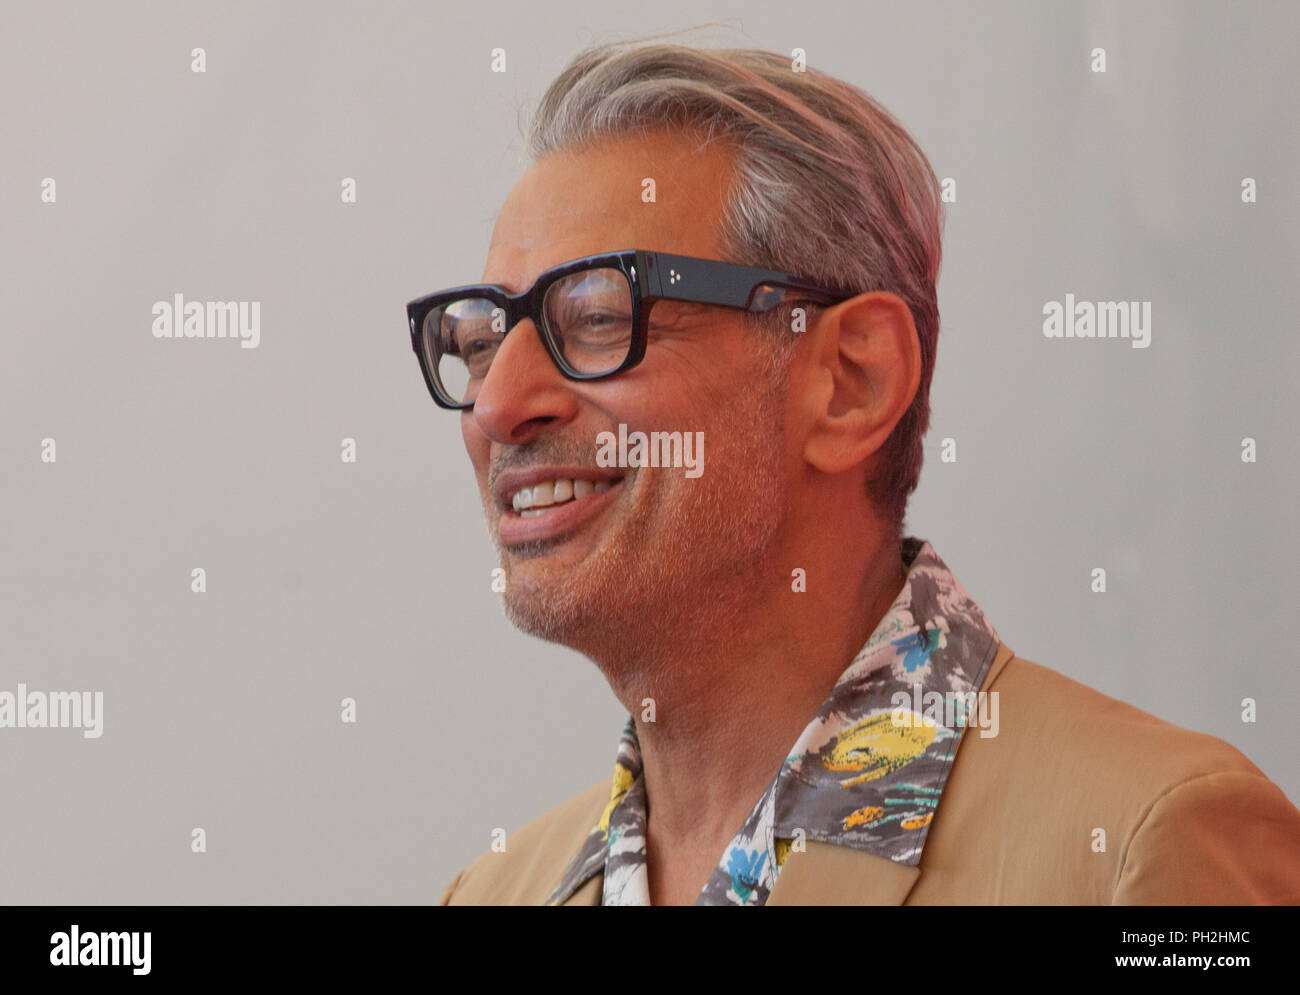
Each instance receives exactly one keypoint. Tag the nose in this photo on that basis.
(523, 392)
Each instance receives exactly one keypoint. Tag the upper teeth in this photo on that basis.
(558, 491)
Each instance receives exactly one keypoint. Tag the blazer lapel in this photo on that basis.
(829, 874)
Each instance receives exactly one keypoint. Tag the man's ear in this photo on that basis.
(865, 371)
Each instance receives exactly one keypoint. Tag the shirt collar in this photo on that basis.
(868, 770)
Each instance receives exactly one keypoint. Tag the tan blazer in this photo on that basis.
(1188, 820)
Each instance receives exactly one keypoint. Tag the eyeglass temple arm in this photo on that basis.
(703, 281)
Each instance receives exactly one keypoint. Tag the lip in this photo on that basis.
(512, 480)
(513, 528)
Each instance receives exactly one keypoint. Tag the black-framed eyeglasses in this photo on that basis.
(592, 314)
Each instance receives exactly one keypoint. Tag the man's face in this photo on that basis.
(607, 571)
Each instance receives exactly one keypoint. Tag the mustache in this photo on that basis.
(551, 453)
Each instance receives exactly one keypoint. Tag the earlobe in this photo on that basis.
(867, 368)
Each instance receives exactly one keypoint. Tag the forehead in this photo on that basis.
(663, 191)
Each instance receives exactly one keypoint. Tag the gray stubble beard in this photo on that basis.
(642, 604)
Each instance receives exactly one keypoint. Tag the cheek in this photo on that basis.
(477, 446)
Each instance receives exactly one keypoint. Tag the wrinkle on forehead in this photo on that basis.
(592, 202)
(539, 236)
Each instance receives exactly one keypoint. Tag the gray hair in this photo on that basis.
(827, 184)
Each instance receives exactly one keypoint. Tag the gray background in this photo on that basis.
(371, 580)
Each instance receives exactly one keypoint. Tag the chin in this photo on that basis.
(534, 613)
(582, 613)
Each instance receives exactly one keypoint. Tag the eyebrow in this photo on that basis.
(516, 287)
(506, 285)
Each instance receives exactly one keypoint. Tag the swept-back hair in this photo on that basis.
(827, 183)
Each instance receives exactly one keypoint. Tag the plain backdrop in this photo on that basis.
(371, 580)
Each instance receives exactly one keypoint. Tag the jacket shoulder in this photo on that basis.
(535, 856)
(1103, 737)
(1075, 797)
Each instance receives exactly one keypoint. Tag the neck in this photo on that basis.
(735, 685)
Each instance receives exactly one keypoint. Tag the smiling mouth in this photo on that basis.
(542, 498)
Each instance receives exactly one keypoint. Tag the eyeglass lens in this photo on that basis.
(587, 316)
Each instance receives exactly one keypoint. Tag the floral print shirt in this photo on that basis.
(868, 770)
